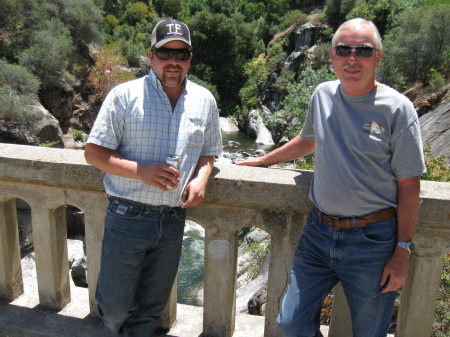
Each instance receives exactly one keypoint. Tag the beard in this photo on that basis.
(173, 74)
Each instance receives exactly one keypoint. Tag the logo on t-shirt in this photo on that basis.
(374, 129)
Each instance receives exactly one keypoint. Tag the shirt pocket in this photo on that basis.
(195, 132)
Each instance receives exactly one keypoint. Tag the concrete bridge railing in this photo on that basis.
(275, 200)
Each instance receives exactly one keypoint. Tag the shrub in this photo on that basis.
(13, 106)
(19, 78)
(48, 54)
(437, 168)
(108, 72)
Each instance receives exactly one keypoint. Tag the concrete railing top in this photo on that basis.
(229, 185)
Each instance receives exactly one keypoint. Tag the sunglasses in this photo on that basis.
(167, 54)
(361, 51)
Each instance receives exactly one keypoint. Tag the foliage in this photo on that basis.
(82, 17)
(79, 136)
(137, 12)
(48, 53)
(18, 87)
(437, 168)
(13, 106)
(42, 34)
(19, 78)
(306, 163)
(437, 80)
(256, 70)
(418, 43)
(220, 48)
(49, 144)
(258, 251)
(107, 72)
(295, 104)
(207, 85)
(337, 10)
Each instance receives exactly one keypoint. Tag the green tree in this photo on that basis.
(137, 11)
(419, 43)
(214, 38)
(48, 52)
(337, 10)
(169, 8)
(115, 7)
(257, 71)
(83, 18)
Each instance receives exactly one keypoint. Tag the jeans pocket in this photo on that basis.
(383, 232)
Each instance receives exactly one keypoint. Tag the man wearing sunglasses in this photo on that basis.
(141, 124)
(365, 191)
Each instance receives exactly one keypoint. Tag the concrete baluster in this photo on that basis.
(11, 284)
(94, 207)
(284, 237)
(341, 324)
(169, 314)
(419, 294)
(220, 281)
(50, 244)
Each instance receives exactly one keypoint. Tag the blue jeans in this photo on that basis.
(355, 257)
(140, 255)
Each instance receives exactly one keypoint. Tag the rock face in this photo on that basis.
(301, 40)
(435, 127)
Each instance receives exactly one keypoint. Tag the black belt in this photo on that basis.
(144, 207)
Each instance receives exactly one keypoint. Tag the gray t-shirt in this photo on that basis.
(363, 144)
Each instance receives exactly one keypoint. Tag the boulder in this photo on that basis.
(77, 260)
(46, 126)
(256, 128)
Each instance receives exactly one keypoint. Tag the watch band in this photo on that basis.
(408, 245)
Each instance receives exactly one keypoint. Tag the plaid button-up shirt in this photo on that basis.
(137, 120)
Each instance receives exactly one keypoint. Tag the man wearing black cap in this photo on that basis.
(141, 124)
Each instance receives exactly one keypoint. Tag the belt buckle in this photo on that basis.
(334, 222)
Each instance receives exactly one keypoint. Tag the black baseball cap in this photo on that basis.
(170, 30)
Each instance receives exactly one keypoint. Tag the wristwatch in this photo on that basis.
(408, 245)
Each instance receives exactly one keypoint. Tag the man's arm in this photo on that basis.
(295, 148)
(194, 192)
(396, 270)
(112, 162)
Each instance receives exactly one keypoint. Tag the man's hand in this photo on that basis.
(395, 271)
(194, 193)
(257, 161)
(161, 176)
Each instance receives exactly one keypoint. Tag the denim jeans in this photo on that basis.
(355, 257)
(140, 255)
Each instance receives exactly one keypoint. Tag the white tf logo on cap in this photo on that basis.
(174, 28)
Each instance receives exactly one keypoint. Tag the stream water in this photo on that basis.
(236, 145)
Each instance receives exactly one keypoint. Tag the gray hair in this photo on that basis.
(358, 22)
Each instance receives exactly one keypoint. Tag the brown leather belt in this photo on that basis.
(355, 222)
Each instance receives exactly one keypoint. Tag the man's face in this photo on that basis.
(170, 72)
(357, 74)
